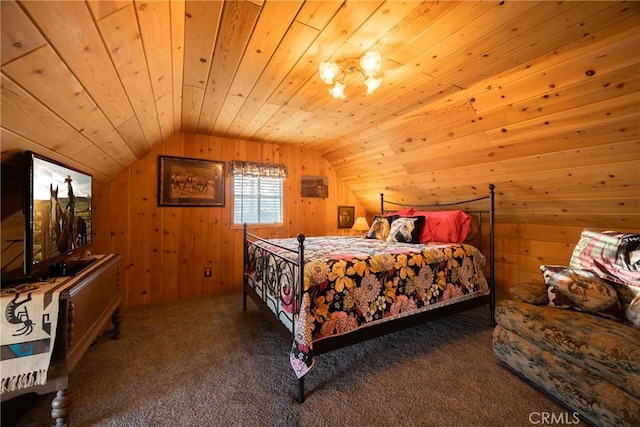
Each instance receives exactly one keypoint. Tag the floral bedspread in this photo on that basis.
(351, 282)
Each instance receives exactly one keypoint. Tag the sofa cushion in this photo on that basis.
(581, 290)
(603, 347)
(596, 400)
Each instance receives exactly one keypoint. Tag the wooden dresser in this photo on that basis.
(87, 305)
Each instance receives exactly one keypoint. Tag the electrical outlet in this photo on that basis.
(207, 272)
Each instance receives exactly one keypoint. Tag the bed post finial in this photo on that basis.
(381, 203)
(492, 249)
(245, 261)
(299, 287)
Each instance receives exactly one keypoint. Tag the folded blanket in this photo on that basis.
(611, 255)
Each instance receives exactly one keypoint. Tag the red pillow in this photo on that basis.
(405, 211)
(402, 212)
(445, 226)
(426, 235)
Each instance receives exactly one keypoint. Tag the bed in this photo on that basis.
(324, 293)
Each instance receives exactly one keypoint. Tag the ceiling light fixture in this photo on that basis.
(369, 65)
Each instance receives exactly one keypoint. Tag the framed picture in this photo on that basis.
(314, 186)
(190, 182)
(346, 216)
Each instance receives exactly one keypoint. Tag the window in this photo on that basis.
(257, 200)
(258, 193)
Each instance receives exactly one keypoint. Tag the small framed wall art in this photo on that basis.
(184, 182)
(314, 186)
(346, 216)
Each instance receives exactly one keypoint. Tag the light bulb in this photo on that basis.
(328, 71)
(338, 91)
(371, 62)
(372, 84)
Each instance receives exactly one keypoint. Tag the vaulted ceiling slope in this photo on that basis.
(472, 92)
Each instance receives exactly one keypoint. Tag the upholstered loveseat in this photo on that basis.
(576, 335)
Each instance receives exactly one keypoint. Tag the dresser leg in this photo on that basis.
(61, 407)
(116, 319)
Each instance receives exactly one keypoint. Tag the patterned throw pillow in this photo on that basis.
(406, 229)
(632, 313)
(580, 290)
(380, 227)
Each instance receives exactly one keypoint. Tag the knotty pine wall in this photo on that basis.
(166, 249)
(522, 248)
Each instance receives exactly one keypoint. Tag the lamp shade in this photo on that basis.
(328, 71)
(361, 224)
(338, 91)
(372, 84)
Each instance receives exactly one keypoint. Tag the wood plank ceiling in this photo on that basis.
(97, 84)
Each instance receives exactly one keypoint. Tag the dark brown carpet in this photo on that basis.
(205, 362)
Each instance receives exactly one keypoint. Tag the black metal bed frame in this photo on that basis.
(276, 275)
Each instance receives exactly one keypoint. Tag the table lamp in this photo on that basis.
(361, 225)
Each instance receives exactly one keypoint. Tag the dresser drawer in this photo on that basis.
(90, 305)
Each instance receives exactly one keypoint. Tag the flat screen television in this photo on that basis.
(58, 214)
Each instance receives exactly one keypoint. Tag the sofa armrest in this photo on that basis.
(533, 293)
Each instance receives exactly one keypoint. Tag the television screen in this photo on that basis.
(58, 213)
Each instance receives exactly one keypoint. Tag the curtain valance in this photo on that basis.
(267, 170)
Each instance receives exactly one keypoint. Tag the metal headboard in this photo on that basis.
(478, 212)
(490, 210)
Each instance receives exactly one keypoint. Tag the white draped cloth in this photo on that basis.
(27, 334)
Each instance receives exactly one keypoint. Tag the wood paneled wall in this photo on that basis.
(522, 248)
(559, 137)
(540, 98)
(166, 249)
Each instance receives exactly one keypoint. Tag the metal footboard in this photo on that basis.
(274, 281)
